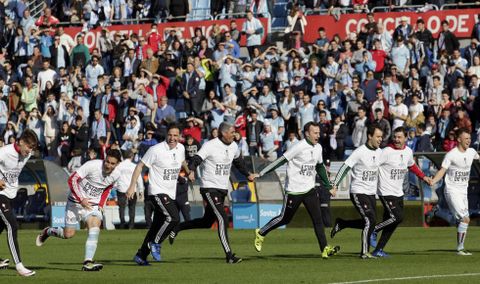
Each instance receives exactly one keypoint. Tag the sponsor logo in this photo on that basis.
(269, 213)
(245, 218)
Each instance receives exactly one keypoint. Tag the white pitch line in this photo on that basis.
(409, 278)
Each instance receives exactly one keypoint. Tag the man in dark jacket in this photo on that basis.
(424, 143)
(404, 29)
(189, 88)
(384, 125)
(447, 40)
(424, 35)
(60, 57)
(254, 128)
(80, 135)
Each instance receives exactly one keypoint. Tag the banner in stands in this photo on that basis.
(461, 22)
(185, 29)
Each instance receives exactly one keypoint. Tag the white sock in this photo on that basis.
(461, 234)
(91, 244)
(19, 266)
(56, 232)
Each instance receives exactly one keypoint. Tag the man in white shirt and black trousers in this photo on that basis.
(304, 161)
(215, 159)
(395, 163)
(364, 163)
(126, 169)
(164, 162)
(13, 158)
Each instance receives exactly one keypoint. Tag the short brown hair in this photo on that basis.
(30, 137)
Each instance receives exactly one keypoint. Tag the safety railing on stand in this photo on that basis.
(199, 14)
(311, 12)
(36, 8)
(403, 8)
(459, 5)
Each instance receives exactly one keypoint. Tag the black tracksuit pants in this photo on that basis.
(165, 218)
(214, 211)
(366, 207)
(392, 217)
(291, 203)
(8, 221)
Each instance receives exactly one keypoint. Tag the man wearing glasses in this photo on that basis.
(59, 53)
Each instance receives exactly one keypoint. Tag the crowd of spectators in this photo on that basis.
(125, 92)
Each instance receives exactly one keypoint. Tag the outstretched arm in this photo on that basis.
(342, 173)
(274, 165)
(439, 175)
(239, 163)
(420, 174)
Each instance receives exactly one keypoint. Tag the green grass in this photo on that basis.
(288, 256)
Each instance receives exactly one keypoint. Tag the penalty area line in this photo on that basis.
(409, 278)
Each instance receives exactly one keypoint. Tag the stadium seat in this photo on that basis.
(241, 195)
(200, 10)
(36, 205)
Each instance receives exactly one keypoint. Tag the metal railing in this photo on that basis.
(230, 15)
(311, 12)
(36, 8)
(193, 16)
(458, 5)
(404, 7)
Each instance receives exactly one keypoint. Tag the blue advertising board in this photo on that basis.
(268, 212)
(58, 216)
(245, 216)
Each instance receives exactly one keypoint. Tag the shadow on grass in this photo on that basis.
(35, 268)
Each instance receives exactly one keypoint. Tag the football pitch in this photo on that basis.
(418, 255)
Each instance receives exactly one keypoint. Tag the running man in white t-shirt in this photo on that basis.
(364, 163)
(304, 161)
(215, 159)
(13, 158)
(164, 162)
(395, 162)
(90, 186)
(456, 168)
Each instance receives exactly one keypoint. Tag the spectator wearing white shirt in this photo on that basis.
(306, 112)
(401, 56)
(253, 30)
(390, 89)
(398, 112)
(131, 135)
(92, 72)
(46, 75)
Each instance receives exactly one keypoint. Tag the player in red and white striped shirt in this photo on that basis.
(89, 186)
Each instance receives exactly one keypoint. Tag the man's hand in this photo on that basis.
(428, 180)
(253, 176)
(333, 191)
(86, 203)
(2, 185)
(130, 192)
(191, 176)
